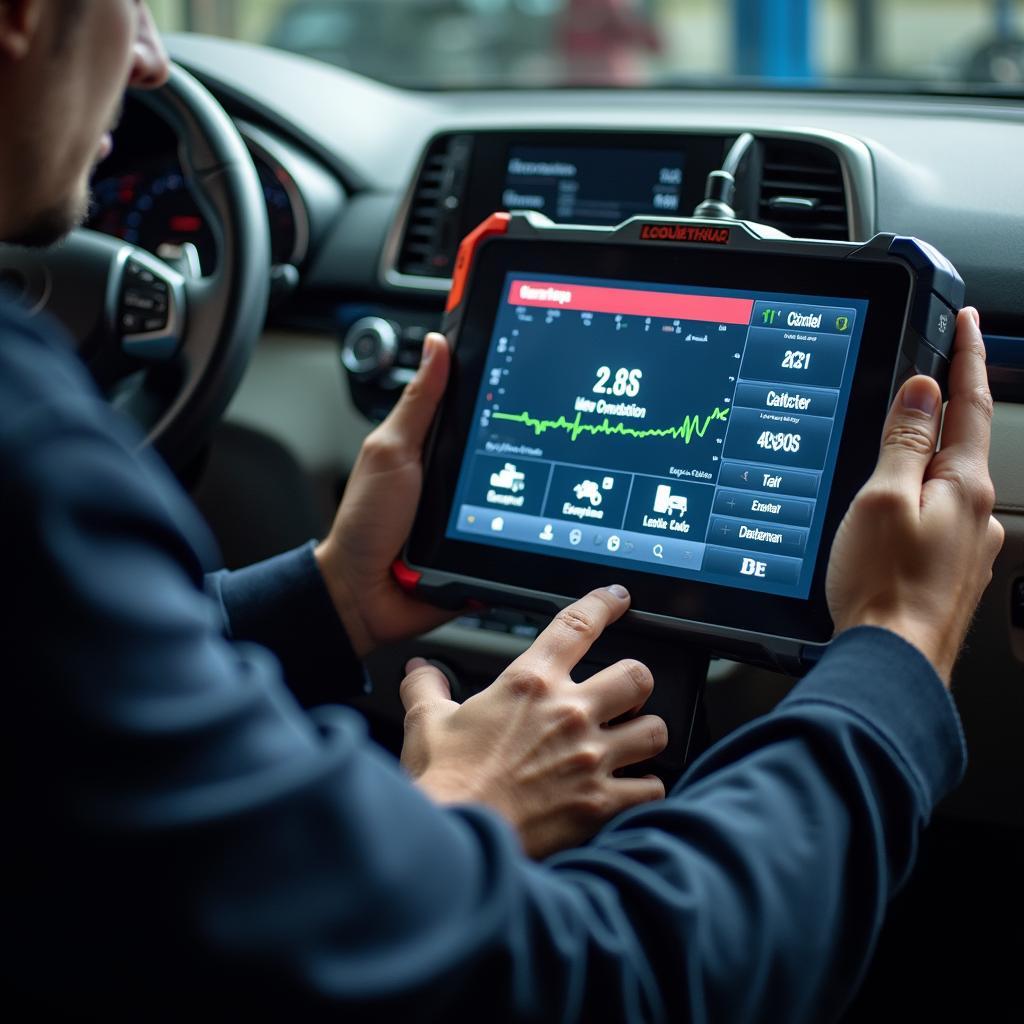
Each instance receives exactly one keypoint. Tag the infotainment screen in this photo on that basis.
(592, 185)
(684, 431)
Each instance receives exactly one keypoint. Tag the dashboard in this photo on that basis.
(373, 187)
(796, 184)
(406, 174)
(369, 189)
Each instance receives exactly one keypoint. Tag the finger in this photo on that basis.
(910, 434)
(635, 741)
(411, 417)
(618, 689)
(423, 686)
(575, 628)
(967, 426)
(626, 793)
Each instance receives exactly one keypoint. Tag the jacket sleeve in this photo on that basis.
(179, 830)
(758, 889)
(283, 604)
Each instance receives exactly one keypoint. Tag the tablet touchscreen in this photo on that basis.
(689, 432)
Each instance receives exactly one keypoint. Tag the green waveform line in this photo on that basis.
(686, 430)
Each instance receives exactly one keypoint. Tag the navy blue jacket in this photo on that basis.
(182, 834)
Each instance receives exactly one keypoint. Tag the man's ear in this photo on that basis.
(19, 25)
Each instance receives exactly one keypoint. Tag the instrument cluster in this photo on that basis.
(141, 194)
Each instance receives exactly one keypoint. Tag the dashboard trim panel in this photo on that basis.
(854, 157)
(274, 154)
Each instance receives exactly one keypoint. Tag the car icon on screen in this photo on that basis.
(667, 502)
(509, 479)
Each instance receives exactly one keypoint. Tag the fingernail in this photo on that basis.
(976, 315)
(430, 346)
(414, 663)
(428, 350)
(919, 394)
(618, 591)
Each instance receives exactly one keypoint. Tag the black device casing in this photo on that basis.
(936, 296)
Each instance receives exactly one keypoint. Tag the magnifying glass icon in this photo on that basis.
(658, 551)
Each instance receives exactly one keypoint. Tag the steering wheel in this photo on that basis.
(165, 344)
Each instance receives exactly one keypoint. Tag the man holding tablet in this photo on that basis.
(180, 829)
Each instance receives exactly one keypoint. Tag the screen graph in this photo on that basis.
(690, 427)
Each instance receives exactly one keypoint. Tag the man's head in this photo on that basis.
(64, 67)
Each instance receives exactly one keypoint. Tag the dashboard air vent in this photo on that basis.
(802, 190)
(432, 227)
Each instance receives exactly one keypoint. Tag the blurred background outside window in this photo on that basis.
(954, 46)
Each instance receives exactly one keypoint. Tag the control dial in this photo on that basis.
(370, 348)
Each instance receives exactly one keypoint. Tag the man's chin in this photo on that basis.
(51, 226)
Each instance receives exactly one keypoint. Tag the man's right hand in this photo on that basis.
(535, 746)
(915, 550)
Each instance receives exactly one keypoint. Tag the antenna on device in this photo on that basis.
(721, 185)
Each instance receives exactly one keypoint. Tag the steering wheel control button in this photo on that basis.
(149, 306)
(134, 272)
(146, 301)
(370, 347)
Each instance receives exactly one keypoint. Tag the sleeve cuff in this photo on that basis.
(284, 605)
(889, 684)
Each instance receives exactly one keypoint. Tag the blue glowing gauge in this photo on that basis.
(152, 210)
(154, 207)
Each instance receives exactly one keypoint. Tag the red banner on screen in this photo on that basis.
(664, 305)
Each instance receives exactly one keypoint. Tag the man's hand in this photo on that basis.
(916, 548)
(376, 515)
(535, 746)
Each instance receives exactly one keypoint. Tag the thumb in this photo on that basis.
(424, 686)
(412, 416)
(911, 432)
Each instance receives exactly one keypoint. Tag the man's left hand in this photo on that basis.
(376, 515)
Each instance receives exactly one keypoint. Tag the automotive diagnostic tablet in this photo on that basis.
(687, 408)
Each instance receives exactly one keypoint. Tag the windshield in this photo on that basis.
(956, 46)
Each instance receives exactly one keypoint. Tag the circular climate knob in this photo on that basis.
(370, 347)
